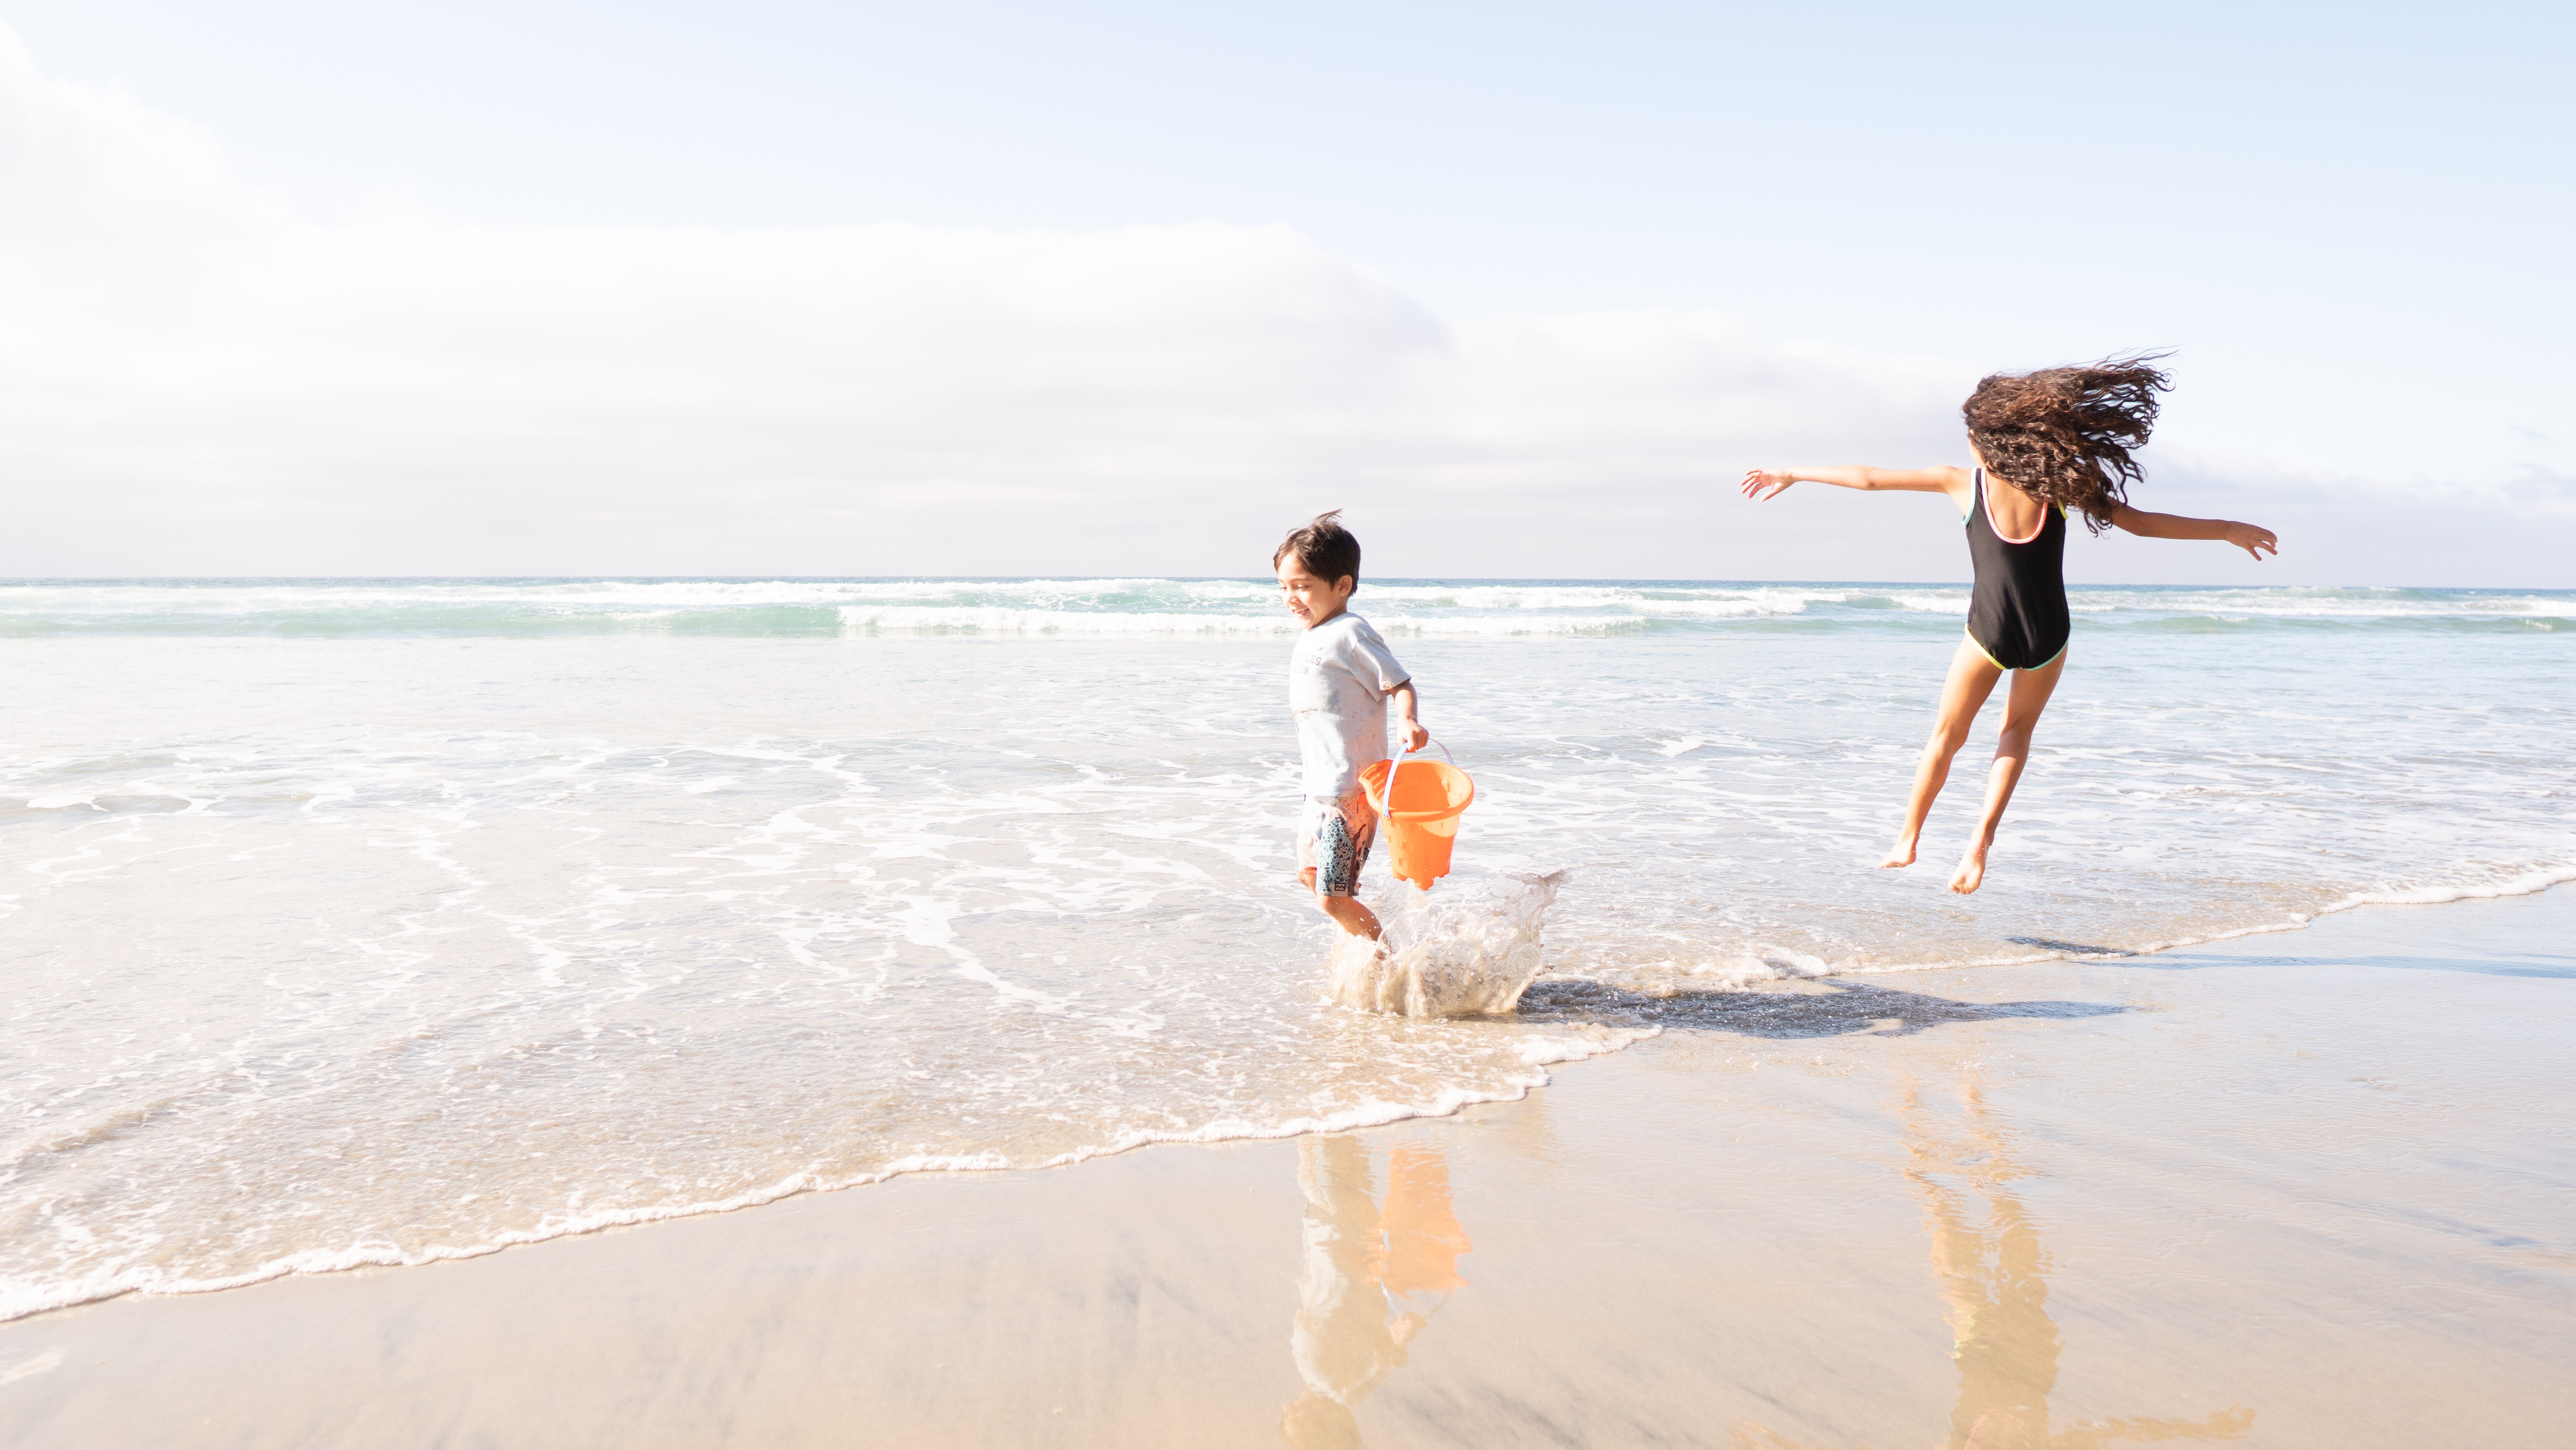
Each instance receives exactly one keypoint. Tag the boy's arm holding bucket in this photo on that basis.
(1406, 704)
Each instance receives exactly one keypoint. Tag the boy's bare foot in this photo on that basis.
(1900, 854)
(1972, 870)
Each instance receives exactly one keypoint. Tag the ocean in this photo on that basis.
(358, 922)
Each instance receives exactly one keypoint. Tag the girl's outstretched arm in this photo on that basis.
(1771, 483)
(2252, 540)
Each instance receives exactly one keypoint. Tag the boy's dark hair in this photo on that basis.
(2064, 434)
(1328, 550)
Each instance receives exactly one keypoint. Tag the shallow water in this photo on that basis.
(382, 922)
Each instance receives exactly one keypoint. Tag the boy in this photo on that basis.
(1339, 679)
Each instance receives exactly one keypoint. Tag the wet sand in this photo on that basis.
(2312, 1189)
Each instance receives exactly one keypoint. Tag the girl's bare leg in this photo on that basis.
(2030, 692)
(1963, 694)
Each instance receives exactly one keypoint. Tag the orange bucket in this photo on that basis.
(1421, 813)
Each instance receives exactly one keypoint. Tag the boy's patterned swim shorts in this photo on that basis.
(1333, 841)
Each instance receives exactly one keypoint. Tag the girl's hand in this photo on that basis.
(1415, 737)
(1759, 485)
(2252, 540)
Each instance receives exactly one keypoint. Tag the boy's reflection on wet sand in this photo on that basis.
(1373, 1277)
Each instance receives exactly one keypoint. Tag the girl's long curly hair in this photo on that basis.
(2064, 435)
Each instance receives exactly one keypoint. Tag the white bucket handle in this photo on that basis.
(1383, 804)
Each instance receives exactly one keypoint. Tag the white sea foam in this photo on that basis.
(1145, 606)
(888, 618)
(2295, 602)
(873, 618)
(1930, 601)
(2526, 883)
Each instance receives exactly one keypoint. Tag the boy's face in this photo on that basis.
(1311, 598)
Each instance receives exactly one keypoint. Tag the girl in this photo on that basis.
(2044, 445)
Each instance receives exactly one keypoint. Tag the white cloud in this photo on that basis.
(197, 382)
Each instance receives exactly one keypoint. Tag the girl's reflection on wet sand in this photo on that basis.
(1996, 1298)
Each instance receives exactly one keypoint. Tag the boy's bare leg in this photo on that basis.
(1345, 911)
(2030, 692)
(1972, 678)
(1354, 918)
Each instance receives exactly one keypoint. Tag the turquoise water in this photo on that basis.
(831, 608)
(377, 922)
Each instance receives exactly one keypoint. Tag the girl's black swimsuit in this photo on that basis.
(2017, 617)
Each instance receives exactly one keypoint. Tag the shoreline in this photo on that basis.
(2313, 1196)
(321, 1262)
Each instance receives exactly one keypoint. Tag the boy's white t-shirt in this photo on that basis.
(1338, 678)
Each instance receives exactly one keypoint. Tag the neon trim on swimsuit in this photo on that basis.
(1987, 500)
(1989, 654)
(2007, 669)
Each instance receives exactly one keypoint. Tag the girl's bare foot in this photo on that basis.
(1900, 854)
(1972, 869)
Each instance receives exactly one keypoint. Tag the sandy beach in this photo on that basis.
(695, 697)
(1899, 1210)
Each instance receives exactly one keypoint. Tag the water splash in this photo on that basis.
(1467, 953)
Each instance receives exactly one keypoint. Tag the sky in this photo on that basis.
(545, 288)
